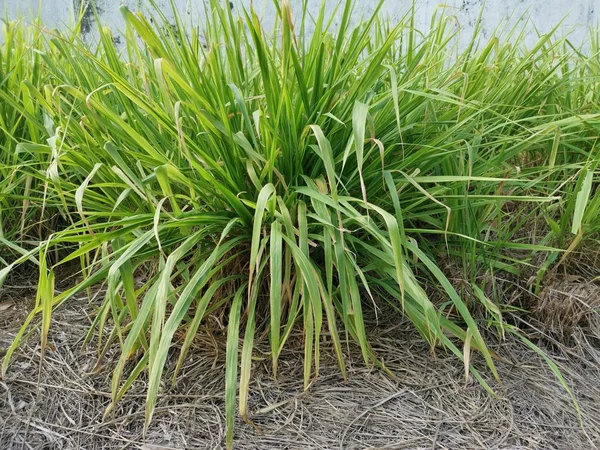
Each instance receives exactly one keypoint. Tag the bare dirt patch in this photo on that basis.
(428, 405)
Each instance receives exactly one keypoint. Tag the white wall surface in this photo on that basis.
(578, 15)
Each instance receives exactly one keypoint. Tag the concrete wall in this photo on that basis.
(544, 14)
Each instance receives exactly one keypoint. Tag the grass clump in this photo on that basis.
(288, 180)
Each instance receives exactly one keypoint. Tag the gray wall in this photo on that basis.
(544, 14)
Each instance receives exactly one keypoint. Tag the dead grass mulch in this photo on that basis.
(60, 404)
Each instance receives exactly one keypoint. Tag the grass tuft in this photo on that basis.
(285, 179)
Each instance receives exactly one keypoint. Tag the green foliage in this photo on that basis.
(289, 179)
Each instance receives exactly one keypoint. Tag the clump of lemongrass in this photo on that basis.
(302, 175)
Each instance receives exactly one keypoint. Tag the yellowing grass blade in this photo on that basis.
(359, 120)
(583, 196)
(261, 204)
(45, 297)
(231, 364)
(275, 297)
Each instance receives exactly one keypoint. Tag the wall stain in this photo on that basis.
(88, 19)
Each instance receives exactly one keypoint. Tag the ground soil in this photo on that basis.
(60, 403)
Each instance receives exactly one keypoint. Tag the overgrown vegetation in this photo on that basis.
(285, 179)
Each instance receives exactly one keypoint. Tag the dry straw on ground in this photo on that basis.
(427, 406)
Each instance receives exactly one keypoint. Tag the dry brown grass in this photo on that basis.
(427, 406)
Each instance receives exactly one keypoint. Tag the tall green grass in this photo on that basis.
(290, 180)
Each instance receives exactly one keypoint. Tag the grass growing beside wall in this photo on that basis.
(289, 180)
